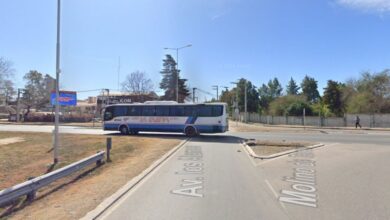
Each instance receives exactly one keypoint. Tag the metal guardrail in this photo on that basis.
(31, 186)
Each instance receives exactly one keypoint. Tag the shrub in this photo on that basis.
(34, 117)
(290, 105)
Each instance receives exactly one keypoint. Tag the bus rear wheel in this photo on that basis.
(124, 130)
(190, 131)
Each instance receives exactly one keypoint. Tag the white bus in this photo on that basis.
(166, 116)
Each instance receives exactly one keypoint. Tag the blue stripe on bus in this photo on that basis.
(191, 120)
(188, 120)
(168, 128)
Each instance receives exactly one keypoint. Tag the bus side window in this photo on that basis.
(205, 111)
(134, 111)
(190, 110)
(162, 110)
(217, 110)
(176, 111)
(120, 111)
(148, 111)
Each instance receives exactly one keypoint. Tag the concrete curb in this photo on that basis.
(109, 201)
(254, 155)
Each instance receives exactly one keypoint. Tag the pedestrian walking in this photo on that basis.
(357, 122)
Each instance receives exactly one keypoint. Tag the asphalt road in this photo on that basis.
(212, 177)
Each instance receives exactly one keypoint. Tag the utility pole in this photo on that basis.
(236, 109)
(57, 108)
(108, 96)
(18, 107)
(246, 116)
(193, 94)
(177, 75)
(216, 88)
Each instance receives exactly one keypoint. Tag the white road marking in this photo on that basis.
(275, 194)
(272, 189)
(332, 144)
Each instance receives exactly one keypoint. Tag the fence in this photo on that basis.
(366, 120)
(31, 186)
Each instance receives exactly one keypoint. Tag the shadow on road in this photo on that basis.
(215, 138)
(218, 138)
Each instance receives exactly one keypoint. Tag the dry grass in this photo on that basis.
(73, 196)
(78, 124)
(266, 148)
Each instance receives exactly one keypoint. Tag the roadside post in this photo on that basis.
(108, 145)
(304, 118)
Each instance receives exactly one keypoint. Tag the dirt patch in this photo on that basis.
(266, 148)
(5, 141)
(72, 197)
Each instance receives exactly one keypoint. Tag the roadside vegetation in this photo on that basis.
(370, 93)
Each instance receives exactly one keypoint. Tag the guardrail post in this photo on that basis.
(99, 162)
(109, 145)
(31, 195)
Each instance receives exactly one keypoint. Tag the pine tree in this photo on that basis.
(292, 87)
(168, 83)
(332, 97)
(310, 89)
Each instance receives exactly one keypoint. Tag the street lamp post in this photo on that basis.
(216, 88)
(177, 67)
(245, 98)
(236, 110)
(57, 106)
(246, 102)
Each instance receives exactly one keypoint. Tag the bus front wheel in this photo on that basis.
(124, 130)
(190, 131)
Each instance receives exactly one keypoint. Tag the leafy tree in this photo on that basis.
(7, 90)
(184, 92)
(227, 96)
(168, 83)
(362, 102)
(252, 96)
(370, 93)
(296, 109)
(290, 105)
(265, 98)
(292, 88)
(333, 97)
(320, 108)
(36, 93)
(268, 93)
(137, 83)
(275, 88)
(310, 89)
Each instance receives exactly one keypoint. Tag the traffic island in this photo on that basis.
(272, 149)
